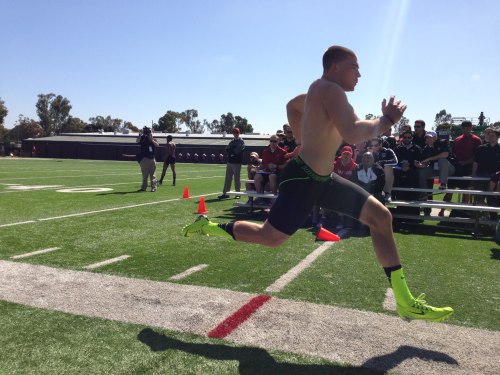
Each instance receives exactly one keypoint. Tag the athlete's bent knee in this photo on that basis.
(375, 214)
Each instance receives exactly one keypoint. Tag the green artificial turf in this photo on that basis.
(451, 268)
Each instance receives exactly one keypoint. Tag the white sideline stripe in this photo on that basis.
(100, 211)
(25, 255)
(188, 272)
(98, 185)
(106, 262)
(279, 284)
(389, 301)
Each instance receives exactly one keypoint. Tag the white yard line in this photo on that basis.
(284, 280)
(106, 262)
(389, 300)
(188, 272)
(26, 255)
(101, 211)
(95, 185)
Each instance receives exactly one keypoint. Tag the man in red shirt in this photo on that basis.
(464, 148)
(273, 160)
(344, 165)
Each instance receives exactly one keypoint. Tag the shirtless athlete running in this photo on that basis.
(321, 119)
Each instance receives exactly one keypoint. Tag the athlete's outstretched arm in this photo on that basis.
(352, 129)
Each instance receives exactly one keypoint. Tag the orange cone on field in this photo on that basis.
(201, 206)
(325, 235)
(186, 193)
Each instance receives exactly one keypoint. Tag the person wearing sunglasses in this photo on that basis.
(406, 172)
(419, 133)
(273, 160)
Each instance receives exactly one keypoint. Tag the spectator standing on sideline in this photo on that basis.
(234, 153)
(487, 158)
(147, 158)
(169, 160)
(419, 133)
(321, 119)
(463, 148)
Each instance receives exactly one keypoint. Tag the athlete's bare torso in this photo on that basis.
(170, 149)
(320, 137)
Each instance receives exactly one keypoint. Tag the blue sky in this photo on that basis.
(135, 60)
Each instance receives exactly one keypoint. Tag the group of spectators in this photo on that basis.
(263, 171)
(412, 160)
(416, 157)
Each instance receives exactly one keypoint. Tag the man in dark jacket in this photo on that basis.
(147, 158)
(234, 151)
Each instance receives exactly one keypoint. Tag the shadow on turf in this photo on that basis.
(122, 192)
(439, 231)
(495, 253)
(253, 361)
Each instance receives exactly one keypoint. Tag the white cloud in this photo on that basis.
(475, 78)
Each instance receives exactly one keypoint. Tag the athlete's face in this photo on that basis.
(347, 73)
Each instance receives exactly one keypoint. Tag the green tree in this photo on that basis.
(213, 127)
(242, 124)
(170, 122)
(74, 125)
(442, 117)
(130, 126)
(106, 124)
(400, 123)
(227, 122)
(24, 128)
(3, 112)
(53, 112)
(189, 118)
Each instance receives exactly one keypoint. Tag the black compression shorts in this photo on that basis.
(301, 188)
(170, 160)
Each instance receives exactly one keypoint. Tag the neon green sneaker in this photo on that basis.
(421, 310)
(204, 227)
(196, 227)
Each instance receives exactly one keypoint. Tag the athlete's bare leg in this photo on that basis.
(379, 219)
(263, 234)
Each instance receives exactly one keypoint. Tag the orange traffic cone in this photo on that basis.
(186, 193)
(325, 235)
(201, 206)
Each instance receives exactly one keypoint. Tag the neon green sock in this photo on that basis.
(400, 288)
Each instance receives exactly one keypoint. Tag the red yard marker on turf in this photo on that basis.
(201, 206)
(186, 193)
